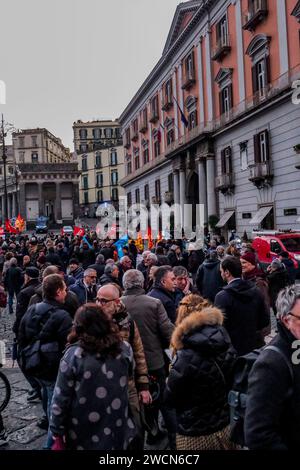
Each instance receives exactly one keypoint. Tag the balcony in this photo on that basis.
(255, 15)
(261, 174)
(154, 116)
(143, 127)
(167, 103)
(222, 48)
(189, 80)
(135, 136)
(225, 183)
(169, 197)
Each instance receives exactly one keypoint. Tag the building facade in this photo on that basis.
(47, 177)
(98, 145)
(214, 123)
(12, 184)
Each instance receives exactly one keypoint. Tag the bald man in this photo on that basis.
(108, 297)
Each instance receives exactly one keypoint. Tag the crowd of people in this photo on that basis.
(141, 348)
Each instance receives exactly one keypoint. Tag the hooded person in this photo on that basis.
(208, 279)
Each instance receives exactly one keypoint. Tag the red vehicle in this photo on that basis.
(270, 243)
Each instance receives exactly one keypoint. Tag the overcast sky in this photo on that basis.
(64, 60)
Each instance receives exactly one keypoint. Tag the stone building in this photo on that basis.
(98, 145)
(214, 122)
(12, 183)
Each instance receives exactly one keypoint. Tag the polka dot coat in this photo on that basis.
(90, 400)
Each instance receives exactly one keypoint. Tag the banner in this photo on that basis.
(9, 228)
(79, 231)
(20, 223)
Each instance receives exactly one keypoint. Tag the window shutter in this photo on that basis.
(223, 166)
(257, 158)
(267, 69)
(230, 94)
(221, 104)
(229, 159)
(254, 79)
(268, 153)
(196, 120)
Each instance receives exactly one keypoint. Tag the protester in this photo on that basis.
(13, 282)
(86, 288)
(164, 289)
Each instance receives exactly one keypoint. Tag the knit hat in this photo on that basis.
(250, 257)
(32, 272)
(276, 264)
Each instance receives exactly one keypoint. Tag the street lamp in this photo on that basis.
(5, 128)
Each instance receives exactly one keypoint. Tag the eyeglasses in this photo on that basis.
(101, 300)
(292, 315)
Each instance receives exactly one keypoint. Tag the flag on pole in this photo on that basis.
(149, 237)
(79, 231)
(9, 228)
(85, 240)
(182, 116)
(120, 243)
(20, 223)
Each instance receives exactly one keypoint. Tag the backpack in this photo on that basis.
(237, 397)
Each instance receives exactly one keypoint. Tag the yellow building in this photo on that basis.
(98, 145)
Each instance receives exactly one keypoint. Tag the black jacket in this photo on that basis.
(195, 259)
(87, 257)
(23, 299)
(99, 268)
(13, 280)
(107, 279)
(71, 302)
(48, 322)
(209, 280)
(200, 375)
(167, 299)
(272, 420)
(245, 314)
(277, 280)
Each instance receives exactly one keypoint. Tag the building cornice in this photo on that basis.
(166, 59)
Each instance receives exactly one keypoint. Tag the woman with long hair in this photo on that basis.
(200, 377)
(90, 400)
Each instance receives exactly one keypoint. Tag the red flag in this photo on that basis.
(9, 228)
(149, 236)
(20, 223)
(78, 231)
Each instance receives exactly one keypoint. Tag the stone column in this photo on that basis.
(41, 201)
(182, 196)
(75, 200)
(202, 186)
(9, 208)
(14, 211)
(177, 216)
(210, 178)
(22, 199)
(58, 215)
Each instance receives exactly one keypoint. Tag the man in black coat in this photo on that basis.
(272, 420)
(13, 281)
(99, 266)
(208, 279)
(31, 282)
(164, 290)
(244, 308)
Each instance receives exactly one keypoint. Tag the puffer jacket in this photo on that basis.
(200, 374)
(130, 333)
(48, 322)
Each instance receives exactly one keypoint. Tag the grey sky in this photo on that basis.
(64, 60)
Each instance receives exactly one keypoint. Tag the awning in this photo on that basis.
(260, 215)
(224, 219)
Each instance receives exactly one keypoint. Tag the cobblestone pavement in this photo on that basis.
(20, 417)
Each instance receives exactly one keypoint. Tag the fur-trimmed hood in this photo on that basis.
(203, 331)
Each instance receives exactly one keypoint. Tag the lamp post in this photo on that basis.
(3, 135)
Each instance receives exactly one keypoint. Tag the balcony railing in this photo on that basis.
(222, 48)
(167, 103)
(261, 173)
(143, 127)
(257, 13)
(225, 183)
(169, 197)
(189, 79)
(154, 116)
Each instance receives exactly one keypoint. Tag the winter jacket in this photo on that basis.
(90, 400)
(71, 302)
(195, 260)
(99, 268)
(86, 257)
(23, 299)
(107, 252)
(209, 280)
(245, 314)
(259, 278)
(200, 374)
(277, 280)
(48, 322)
(54, 259)
(167, 299)
(13, 280)
(83, 293)
(154, 326)
(272, 420)
(77, 273)
(130, 333)
(107, 279)
(292, 271)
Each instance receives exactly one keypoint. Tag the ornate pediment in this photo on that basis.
(258, 42)
(223, 74)
(183, 15)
